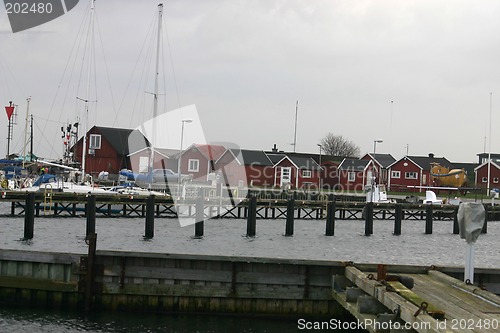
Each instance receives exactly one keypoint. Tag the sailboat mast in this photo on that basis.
(155, 101)
(31, 138)
(295, 131)
(26, 130)
(91, 42)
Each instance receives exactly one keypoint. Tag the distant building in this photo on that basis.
(354, 174)
(414, 171)
(107, 149)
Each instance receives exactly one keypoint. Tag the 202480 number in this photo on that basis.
(26, 8)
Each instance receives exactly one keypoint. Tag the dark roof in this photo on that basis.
(425, 161)
(353, 164)
(315, 157)
(468, 167)
(383, 159)
(275, 157)
(248, 157)
(302, 162)
(118, 138)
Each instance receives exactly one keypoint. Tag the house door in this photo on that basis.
(286, 175)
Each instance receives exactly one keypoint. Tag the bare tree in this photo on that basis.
(337, 145)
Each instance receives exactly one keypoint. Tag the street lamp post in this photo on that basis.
(183, 121)
(374, 166)
(320, 168)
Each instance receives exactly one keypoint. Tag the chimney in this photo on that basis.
(431, 155)
(274, 150)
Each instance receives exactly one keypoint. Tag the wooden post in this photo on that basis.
(89, 279)
(90, 213)
(251, 215)
(428, 219)
(456, 229)
(150, 217)
(290, 211)
(200, 216)
(29, 216)
(398, 217)
(369, 219)
(485, 225)
(330, 216)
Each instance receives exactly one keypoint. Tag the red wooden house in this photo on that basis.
(414, 171)
(243, 167)
(380, 164)
(199, 160)
(295, 171)
(107, 149)
(354, 174)
(481, 179)
(163, 159)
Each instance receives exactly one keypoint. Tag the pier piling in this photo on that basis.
(485, 225)
(290, 211)
(369, 219)
(90, 213)
(330, 216)
(251, 215)
(428, 219)
(456, 229)
(29, 217)
(150, 217)
(398, 217)
(200, 216)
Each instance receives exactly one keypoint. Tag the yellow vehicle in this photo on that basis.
(443, 176)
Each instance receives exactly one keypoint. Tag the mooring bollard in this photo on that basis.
(456, 229)
(200, 216)
(398, 217)
(428, 219)
(369, 218)
(29, 216)
(150, 217)
(330, 216)
(90, 214)
(251, 216)
(290, 211)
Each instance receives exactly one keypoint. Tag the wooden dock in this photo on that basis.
(74, 204)
(433, 301)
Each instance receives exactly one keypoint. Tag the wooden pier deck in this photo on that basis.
(456, 306)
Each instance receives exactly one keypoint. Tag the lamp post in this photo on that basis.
(183, 121)
(374, 167)
(320, 167)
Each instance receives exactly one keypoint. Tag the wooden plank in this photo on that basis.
(37, 284)
(406, 293)
(423, 322)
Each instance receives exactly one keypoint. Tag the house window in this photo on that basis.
(495, 180)
(193, 165)
(484, 180)
(396, 174)
(95, 141)
(306, 173)
(411, 175)
(351, 176)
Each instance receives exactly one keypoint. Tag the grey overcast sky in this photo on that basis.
(244, 64)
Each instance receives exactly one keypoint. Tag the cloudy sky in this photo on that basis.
(245, 64)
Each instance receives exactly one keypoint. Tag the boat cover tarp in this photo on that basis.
(470, 220)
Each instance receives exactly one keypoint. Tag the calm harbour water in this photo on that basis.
(227, 237)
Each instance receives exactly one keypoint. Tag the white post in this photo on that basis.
(469, 263)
